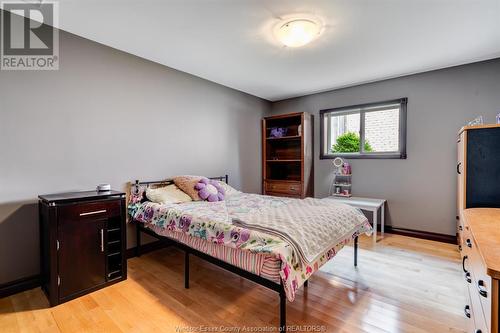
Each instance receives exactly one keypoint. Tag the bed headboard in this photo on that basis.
(224, 179)
(137, 189)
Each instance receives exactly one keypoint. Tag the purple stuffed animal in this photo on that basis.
(278, 132)
(210, 190)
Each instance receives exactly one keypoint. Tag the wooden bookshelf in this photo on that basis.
(287, 161)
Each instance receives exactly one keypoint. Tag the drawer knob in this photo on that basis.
(467, 277)
(460, 248)
(460, 228)
(467, 311)
(468, 242)
(481, 288)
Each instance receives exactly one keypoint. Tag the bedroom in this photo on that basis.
(183, 89)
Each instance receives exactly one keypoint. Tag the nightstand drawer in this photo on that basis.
(291, 188)
(92, 210)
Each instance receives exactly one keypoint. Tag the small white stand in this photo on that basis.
(370, 204)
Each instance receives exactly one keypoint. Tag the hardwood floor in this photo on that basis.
(402, 284)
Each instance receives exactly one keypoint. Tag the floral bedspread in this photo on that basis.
(212, 221)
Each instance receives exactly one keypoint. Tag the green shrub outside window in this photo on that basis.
(349, 143)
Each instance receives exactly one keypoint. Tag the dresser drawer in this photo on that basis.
(478, 282)
(476, 311)
(469, 313)
(92, 210)
(465, 243)
(480, 249)
(481, 286)
(290, 188)
(460, 232)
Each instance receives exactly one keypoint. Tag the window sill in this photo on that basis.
(364, 156)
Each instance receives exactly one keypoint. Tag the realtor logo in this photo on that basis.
(28, 38)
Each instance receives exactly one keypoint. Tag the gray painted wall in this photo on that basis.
(107, 116)
(421, 190)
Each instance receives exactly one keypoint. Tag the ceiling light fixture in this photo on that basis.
(297, 32)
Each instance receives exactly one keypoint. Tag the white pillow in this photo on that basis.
(229, 190)
(167, 194)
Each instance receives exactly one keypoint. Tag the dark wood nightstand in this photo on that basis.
(82, 242)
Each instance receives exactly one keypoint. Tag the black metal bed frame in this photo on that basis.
(277, 287)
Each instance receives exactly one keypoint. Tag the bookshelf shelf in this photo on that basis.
(289, 137)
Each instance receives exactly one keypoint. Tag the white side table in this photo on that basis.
(369, 204)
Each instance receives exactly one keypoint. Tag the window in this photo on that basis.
(376, 130)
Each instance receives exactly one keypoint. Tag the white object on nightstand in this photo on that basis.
(370, 204)
(103, 187)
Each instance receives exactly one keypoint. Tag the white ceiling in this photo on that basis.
(230, 41)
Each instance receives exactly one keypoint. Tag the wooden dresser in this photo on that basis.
(478, 223)
(82, 242)
(481, 266)
(287, 161)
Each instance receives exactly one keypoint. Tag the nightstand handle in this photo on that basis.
(94, 212)
(102, 240)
